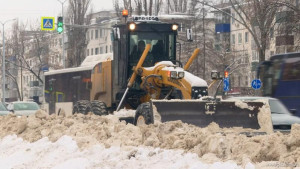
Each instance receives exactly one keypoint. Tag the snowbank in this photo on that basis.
(208, 143)
(64, 153)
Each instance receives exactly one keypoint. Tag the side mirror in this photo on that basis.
(10, 110)
(116, 34)
(189, 34)
(293, 111)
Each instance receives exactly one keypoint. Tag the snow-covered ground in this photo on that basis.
(90, 141)
(64, 153)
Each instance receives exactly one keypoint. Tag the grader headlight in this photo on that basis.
(174, 27)
(173, 74)
(132, 26)
(180, 75)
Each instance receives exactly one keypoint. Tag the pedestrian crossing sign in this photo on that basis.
(47, 23)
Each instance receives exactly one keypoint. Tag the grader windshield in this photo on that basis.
(162, 47)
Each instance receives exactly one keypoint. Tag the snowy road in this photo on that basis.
(89, 141)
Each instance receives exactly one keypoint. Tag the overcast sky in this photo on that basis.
(32, 10)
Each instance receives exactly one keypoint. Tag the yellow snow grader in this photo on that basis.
(143, 73)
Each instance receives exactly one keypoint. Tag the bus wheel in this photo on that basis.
(81, 106)
(98, 108)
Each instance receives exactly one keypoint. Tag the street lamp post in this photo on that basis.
(63, 37)
(3, 61)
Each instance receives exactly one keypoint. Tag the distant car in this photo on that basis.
(3, 109)
(22, 108)
(282, 119)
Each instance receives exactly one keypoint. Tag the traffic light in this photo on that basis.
(225, 74)
(60, 24)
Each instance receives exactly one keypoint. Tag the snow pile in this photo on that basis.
(64, 153)
(208, 143)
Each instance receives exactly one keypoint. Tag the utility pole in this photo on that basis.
(63, 32)
(3, 61)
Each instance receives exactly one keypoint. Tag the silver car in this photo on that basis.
(3, 109)
(22, 108)
(282, 119)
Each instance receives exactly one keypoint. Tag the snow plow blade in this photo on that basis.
(201, 113)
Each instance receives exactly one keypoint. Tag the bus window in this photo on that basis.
(291, 70)
(276, 69)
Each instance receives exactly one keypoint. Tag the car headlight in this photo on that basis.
(180, 75)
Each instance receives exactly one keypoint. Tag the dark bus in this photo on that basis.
(67, 86)
(281, 79)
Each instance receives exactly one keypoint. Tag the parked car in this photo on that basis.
(22, 108)
(3, 109)
(282, 119)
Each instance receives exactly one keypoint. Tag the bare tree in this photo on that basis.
(178, 5)
(27, 45)
(257, 16)
(139, 6)
(117, 9)
(77, 13)
(287, 27)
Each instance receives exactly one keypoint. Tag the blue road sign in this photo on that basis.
(47, 23)
(256, 84)
(226, 84)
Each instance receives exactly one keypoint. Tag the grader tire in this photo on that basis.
(99, 108)
(143, 115)
(81, 106)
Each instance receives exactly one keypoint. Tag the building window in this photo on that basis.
(87, 52)
(92, 51)
(246, 81)
(87, 35)
(101, 50)
(240, 38)
(246, 37)
(101, 33)
(92, 34)
(110, 49)
(96, 34)
(271, 32)
(96, 51)
(254, 56)
(233, 17)
(233, 39)
(106, 49)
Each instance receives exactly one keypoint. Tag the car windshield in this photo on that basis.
(277, 107)
(2, 107)
(26, 106)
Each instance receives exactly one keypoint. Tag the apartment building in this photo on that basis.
(236, 40)
(98, 35)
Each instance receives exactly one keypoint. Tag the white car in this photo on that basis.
(3, 109)
(282, 119)
(22, 108)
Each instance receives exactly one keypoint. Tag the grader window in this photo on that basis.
(162, 47)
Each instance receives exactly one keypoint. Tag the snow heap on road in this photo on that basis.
(102, 134)
(64, 153)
